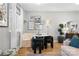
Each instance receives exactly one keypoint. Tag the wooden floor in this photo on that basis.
(48, 52)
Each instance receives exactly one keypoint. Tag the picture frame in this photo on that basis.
(31, 25)
(18, 10)
(33, 21)
(4, 15)
(37, 19)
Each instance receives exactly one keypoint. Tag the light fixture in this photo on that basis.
(38, 3)
(47, 26)
(47, 23)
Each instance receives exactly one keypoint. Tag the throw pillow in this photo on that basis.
(66, 42)
(74, 42)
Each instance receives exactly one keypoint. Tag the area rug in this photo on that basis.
(49, 53)
(35, 55)
(43, 55)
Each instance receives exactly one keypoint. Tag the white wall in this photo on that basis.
(55, 19)
(20, 25)
(16, 26)
(4, 38)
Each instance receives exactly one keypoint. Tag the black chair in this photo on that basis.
(37, 44)
(48, 39)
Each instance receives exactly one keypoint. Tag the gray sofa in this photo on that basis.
(67, 50)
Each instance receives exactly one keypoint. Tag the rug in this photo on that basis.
(35, 55)
(48, 53)
(43, 55)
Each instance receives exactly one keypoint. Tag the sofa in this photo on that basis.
(67, 50)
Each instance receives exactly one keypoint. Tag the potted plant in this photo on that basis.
(60, 30)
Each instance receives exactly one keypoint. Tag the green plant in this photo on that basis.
(61, 25)
(60, 30)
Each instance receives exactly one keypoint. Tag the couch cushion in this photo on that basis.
(70, 51)
(74, 42)
(66, 42)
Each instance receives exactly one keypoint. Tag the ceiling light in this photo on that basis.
(38, 3)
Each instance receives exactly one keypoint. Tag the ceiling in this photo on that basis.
(50, 7)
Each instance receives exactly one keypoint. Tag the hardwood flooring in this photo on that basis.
(27, 51)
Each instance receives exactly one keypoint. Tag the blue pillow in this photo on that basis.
(74, 42)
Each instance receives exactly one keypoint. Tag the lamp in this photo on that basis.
(47, 25)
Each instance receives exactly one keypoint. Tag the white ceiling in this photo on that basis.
(50, 7)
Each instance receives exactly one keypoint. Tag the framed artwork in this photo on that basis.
(31, 25)
(18, 10)
(3, 14)
(37, 19)
(34, 22)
